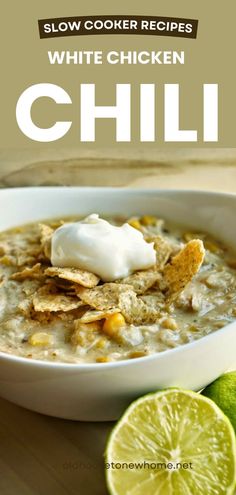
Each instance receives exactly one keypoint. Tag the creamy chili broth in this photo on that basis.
(52, 316)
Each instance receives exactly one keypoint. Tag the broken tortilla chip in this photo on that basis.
(103, 297)
(141, 281)
(182, 268)
(26, 307)
(34, 272)
(93, 315)
(135, 310)
(163, 251)
(81, 277)
(46, 238)
(155, 300)
(29, 286)
(47, 298)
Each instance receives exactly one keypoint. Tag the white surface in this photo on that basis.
(97, 392)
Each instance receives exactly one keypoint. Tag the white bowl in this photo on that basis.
(100, 392)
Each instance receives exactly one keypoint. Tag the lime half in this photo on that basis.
(173, 442)
(223, 392)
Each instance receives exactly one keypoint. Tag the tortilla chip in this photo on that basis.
(70, 316)
(48, 298)
(30, 286)
(156, 301)
(135, 310)
(26, 307)
(29, 255)
(25, 259)
(93, 315)
(81, 277)
(103, 297)
(141, 281)
(163, 251)
(64, 285)
(182, 268)
(46, 239)
(34, 272)
(43, 317)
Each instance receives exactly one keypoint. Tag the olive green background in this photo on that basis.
(209, 59)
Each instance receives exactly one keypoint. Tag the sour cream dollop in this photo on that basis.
(109, 251)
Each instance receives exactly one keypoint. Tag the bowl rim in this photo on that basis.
(123, 362)
(117, 189)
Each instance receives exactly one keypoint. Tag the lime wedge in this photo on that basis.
(173, 442)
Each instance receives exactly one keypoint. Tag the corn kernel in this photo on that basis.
(40, 338)
(137, 354)
(169, 323)
(113, 324)
(193, 328)
(103, 359)
(148, 220)
(220, 324)
(101, 343)
(7, 260)
(135, 223)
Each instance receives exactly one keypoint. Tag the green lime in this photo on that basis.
(223, 392)
(173, 442)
